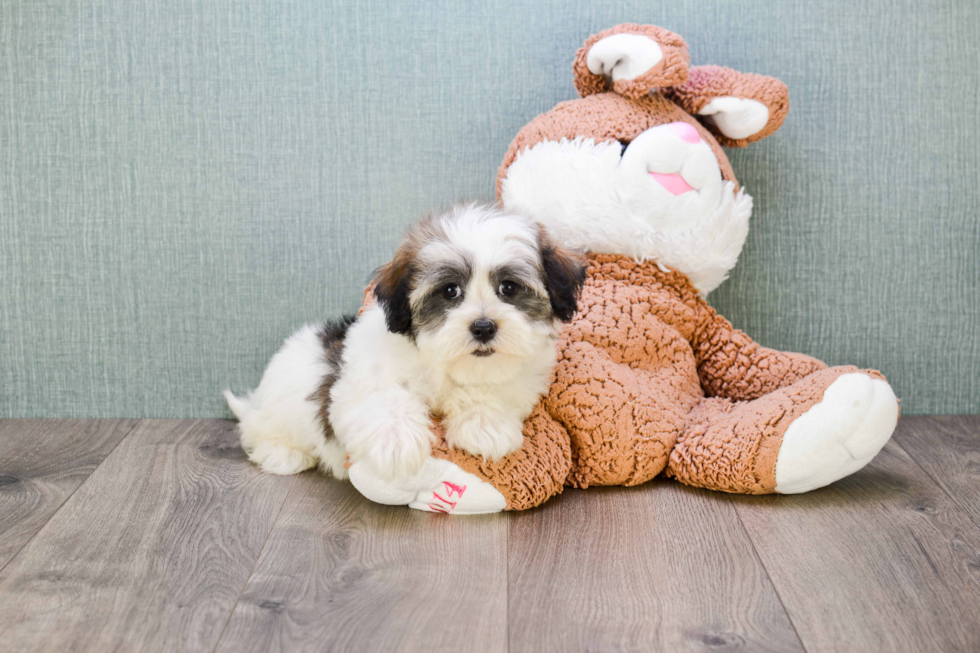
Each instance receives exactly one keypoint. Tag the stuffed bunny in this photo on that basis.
(650, 379)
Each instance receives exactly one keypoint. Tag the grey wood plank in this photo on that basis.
(659, 567)
(42, 462)
(947, 447)
(342, 574)
(150, 553)
(880, 561)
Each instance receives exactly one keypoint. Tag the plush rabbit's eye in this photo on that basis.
(452, 291)
(508, 288)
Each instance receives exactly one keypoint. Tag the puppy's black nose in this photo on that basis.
(483, 330)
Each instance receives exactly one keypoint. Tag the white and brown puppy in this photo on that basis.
(464, 328)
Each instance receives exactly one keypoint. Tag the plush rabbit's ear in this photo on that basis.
(631, 60)
(738, 108)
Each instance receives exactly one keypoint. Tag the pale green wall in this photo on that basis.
(182, 183)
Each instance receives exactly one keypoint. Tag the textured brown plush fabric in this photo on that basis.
(722, 352)
(732, 446)
(528, 477)
(628, 400)
(626, 367)
(708, 82)
(671, 70)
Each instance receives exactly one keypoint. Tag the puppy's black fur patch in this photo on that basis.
(332, 335)
(564, 275)
(430, 312)
(527, 301)
(393, 285)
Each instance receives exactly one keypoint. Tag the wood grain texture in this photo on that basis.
(342, 574)
(656, 567)
(882, 560)
(175, 542)
(150, 553)
(947, 447)
(42, 462)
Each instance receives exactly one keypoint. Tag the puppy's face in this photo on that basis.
(479, 292)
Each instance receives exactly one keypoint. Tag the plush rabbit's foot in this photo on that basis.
(439, 486)
(837, 436)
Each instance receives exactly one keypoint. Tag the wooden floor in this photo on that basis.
(158, 535)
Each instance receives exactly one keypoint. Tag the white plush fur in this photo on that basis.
(837, 436)
(623, 56)
(389, 385)
(736, 117)
(593, 198)
(279, 425)
(439, 486)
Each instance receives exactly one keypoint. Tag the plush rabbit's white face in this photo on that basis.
(669, 178)
(660, 196)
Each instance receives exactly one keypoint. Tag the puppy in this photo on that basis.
(464, 327)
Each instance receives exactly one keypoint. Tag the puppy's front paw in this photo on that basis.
(490, 436)
(398, 450)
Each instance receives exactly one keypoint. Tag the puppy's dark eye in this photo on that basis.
(452, 291)
(508, 288)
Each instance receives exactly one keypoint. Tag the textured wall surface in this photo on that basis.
(183, 183)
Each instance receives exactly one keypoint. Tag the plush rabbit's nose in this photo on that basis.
(687, 133)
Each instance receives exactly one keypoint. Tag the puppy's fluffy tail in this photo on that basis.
(238, 405)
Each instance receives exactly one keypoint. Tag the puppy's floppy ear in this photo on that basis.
(392, 286)
(564, 274)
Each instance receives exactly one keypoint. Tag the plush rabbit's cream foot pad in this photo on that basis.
(440, 486)
(837, 436)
